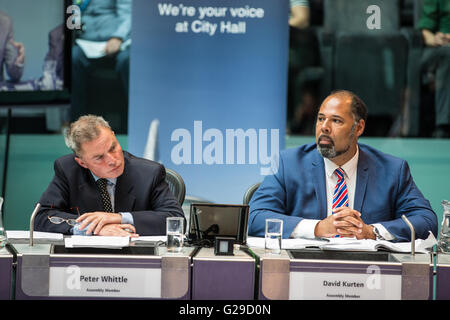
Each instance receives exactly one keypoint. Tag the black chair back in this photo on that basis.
(249, 193)
(176, 185)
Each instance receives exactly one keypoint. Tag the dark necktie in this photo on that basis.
(106, 200)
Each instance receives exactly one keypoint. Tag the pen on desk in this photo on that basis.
(322, 239)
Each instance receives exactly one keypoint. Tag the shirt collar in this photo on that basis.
(110, 180)
(349, 167)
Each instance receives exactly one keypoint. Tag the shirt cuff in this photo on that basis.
(127, 218)
(383, 232)
(305, 229)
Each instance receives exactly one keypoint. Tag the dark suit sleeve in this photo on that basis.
(411, 203)
(163, 205)
(55, 202)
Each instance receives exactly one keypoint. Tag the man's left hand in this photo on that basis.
(119, 230)
(21, 52)
(353, 225)
(113, 46)
(97, 220)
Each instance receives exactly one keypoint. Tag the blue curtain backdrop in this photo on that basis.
(214, 73)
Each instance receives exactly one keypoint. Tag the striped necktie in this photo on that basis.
(340, 196)
(106, 200)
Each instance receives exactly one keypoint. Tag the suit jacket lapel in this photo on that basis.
(318, 177)
(90, 194)
(124, 200)
(361, 180)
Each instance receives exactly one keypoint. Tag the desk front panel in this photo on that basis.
(443, 277)
(223, 277)
(60, 276)
(285, 277)
(6, 274)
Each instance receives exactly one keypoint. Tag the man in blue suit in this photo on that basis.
(365, 198)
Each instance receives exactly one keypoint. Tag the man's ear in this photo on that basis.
(360, 127)
(80, 162)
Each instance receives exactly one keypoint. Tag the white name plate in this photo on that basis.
(75, 281)
(349, 286)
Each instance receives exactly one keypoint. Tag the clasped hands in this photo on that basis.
(441, 39)
(106, 224)
(345, 222)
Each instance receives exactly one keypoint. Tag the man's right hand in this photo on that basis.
(97, 220)
(118, 230)
(345, 222)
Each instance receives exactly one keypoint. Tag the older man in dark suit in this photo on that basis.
(103, 190)
(12, 54)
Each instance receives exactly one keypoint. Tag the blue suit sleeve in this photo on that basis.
(411, 203)
(269, 202)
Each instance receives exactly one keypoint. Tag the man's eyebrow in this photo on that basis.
(97, 155)
(332, 116)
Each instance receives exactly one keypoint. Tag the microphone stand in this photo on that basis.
(33, 215)
(413, 234)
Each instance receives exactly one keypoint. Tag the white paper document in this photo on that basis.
(257, 242)
(421, 246)
(96, 242)
(349, 244)
(20, 234)
(152, 239)
(96, 49)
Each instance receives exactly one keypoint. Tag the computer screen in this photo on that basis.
(34, 52)
(210, 220)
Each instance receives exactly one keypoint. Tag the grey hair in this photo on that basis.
(85, 129)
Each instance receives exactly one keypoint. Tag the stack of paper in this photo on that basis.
(349, 244)
(151, 239)
(19, 234)
(256, 242)
(96, 242)
(421, 246)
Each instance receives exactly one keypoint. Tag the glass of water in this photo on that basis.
(174, 229)
(274, 234)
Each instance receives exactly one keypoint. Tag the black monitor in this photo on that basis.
(44, 76)
(208, 220)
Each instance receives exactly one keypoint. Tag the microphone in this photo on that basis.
(413, 234)
(33, 215)
(212, 228)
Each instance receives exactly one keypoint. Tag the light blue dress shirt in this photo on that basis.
(303, 3)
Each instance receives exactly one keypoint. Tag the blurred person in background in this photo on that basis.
(12, 53)
(435, 26)
(303, 58)
(107, 25)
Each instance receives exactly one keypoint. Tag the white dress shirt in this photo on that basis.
(306, 227)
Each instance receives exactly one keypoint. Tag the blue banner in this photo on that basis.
(213, 73)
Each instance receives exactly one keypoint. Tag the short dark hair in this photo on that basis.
(359, 108)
